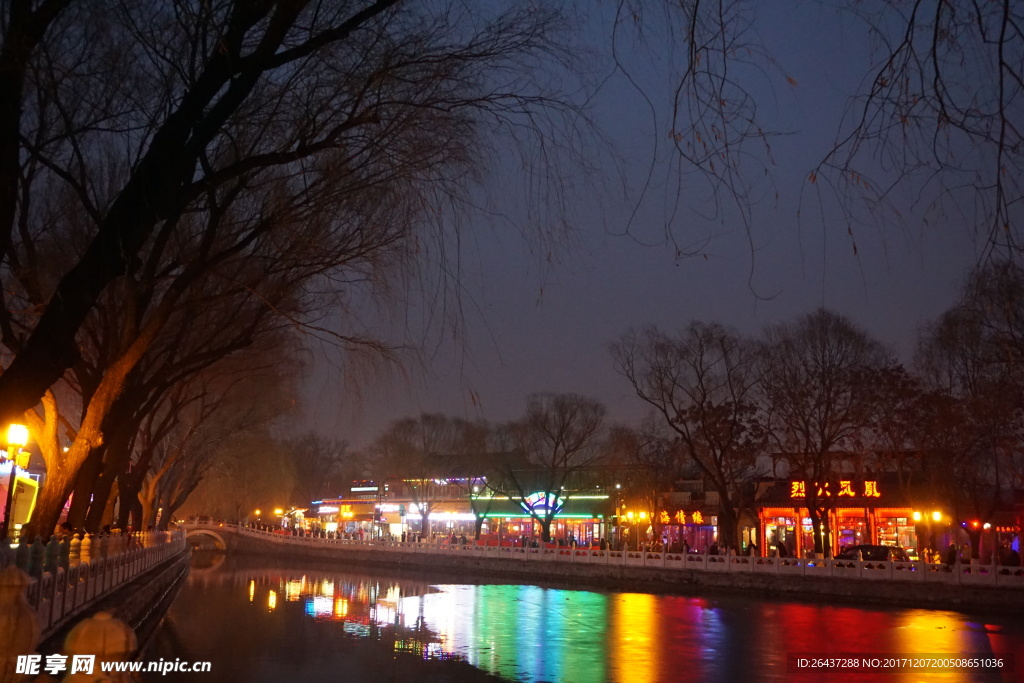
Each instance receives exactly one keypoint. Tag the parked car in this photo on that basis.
(875, 553)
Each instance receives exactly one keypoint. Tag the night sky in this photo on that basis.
(534, 323)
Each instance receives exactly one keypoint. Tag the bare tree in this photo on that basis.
(939, 119)
(422, 451)
(703, 384)
(892, 423)
(645, 463)
(319, 464)
(558, 436)
(245, 475)
(718, 147)
(275, 159)
(815, 403)
(969, 359)
(207, 411)
(222, 127)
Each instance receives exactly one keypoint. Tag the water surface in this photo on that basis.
(306, 622)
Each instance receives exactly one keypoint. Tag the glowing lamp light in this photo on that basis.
(257, 513)
(917, 516)
(643, 515)
(629, 515)
(937, 516)
(278, 511)
(17, 435)
(986, 526)
(975, 524)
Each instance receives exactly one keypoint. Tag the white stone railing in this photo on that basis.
(963, 574)
(72, 576)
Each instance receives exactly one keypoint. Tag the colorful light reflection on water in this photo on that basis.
(530, 633)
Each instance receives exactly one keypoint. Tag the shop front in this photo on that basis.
(577, 519)
(688, 529)
(779, 531)
(348, 518)
(443, 519)
(858, 512)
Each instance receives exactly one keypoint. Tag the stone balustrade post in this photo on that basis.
(51, 555)
(108, 638)
(75, 550)
(19, 630)
(37, 554)
(85, 551)
(64, 553)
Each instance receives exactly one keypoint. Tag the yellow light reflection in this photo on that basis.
(341, 607)
(272, 600)
(252, 590)
(293, 589)
(634, 650)
(926, 632)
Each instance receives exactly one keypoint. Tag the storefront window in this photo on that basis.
(780, 534)
(851, 529)
(896, 531)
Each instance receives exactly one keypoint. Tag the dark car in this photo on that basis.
(874, 553)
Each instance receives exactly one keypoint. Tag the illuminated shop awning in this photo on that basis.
(572, 507)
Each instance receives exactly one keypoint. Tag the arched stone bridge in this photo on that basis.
(221, 535)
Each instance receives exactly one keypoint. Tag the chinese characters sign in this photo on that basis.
(844, 488)
(680, 517)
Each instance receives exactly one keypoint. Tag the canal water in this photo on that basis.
(260, 622)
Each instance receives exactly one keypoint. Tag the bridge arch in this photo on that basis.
(218, 540)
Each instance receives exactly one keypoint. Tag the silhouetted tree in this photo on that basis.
(815, 402)
(703, 383)
(239, 129)
(558, 436)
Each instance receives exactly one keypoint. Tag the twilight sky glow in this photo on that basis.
(530, 327)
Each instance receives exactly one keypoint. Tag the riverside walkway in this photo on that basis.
(227, 537)
(63, 580)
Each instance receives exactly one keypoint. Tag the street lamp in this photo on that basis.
(17, 438)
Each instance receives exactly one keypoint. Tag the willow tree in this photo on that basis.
(291, 154)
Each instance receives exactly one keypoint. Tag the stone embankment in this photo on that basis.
(966, 588)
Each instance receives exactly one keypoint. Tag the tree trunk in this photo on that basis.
(728, 521)
(52, 497)
(100, 499)
(128, 490)
(84, 483)
(819, 522)
(545, 529)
